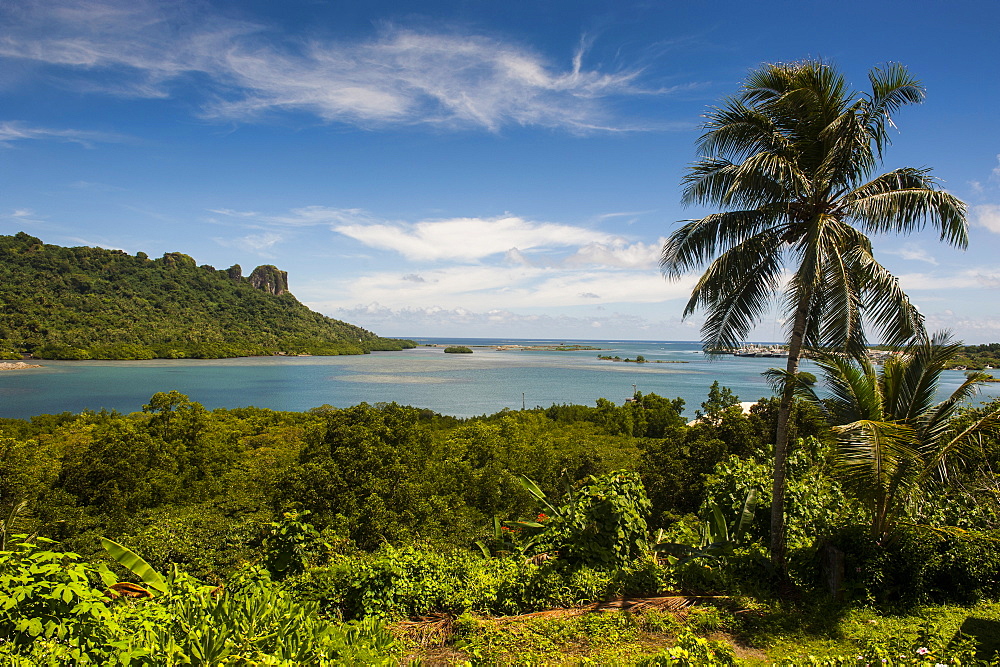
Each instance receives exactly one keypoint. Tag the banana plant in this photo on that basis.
(501, 542)
(502, 530)
(135, 564)
(6, 525)
(716, 539)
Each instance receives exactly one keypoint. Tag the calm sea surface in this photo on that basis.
(462, 385)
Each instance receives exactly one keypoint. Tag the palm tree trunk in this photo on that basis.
(781, 437)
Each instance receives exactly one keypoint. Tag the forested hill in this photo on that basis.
(92, 303)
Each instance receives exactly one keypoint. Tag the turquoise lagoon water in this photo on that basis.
(462, 385)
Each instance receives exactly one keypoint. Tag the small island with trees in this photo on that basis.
(458, 349)
(639, 359)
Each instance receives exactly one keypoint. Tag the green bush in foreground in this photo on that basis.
(54, 610)
(405, 582)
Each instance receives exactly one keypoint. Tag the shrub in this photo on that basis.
(602, 524)
(919, 565)
(457, 349)
(53, 611)
(412, 581)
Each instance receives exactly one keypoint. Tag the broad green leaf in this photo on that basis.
(129, 559)
(746, 515)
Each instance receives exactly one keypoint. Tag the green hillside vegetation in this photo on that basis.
(978, 357)
(92, 303)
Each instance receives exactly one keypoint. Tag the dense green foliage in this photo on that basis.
(977, 357)
(56, 610)
(458, 349)
(893, 437)
(375, 512)
(92, 303)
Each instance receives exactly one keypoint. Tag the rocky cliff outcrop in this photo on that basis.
(270, 279)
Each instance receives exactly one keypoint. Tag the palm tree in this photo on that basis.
(893, 440)
(790, 163)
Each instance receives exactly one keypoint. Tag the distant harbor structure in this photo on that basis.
(876, 356)
(754, 350)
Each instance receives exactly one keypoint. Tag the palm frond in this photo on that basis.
(907, 200)
(846, 156)
(886, 305)
(964, 444)
(876, 460)
(736, 131)
(766, 177)
(892, 87)
(697, 241)
(853, 385)
(736, 289)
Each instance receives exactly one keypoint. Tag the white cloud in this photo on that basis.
(988, 216)
(398, 76)
(470, 239)
(620, 254)
(23, 216)
(18, 131)
(96, 187)
(304, 216)
(913, 251)
(976, 277)
(435, 320)
(256, 243)
(515, 288)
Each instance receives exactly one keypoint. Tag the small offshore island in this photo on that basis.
(639, 359)
(563, 347)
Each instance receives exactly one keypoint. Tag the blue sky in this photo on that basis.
(461, 168)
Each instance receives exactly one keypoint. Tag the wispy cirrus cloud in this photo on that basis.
(302, 217)
(913, 252)
(258, 244)
(243, 71)
(12, 130)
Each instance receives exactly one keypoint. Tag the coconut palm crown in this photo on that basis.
(790, 163)
(894, 440)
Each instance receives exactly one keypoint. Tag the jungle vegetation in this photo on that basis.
(379, 534)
